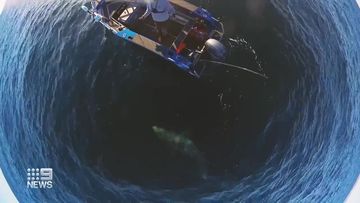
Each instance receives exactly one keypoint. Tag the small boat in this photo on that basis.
(194, 34)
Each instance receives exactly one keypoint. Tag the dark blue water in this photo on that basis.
(83, 102)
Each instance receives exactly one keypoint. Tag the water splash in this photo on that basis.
(242, 43)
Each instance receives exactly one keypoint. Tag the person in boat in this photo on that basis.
(161, 11)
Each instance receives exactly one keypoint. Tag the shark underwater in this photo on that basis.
(180, 143)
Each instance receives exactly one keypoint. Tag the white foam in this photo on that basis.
(358, 2)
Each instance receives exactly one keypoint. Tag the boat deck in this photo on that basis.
(148, 28)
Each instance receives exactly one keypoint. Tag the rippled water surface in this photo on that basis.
(111, 119)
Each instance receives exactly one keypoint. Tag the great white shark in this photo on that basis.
(180, 143)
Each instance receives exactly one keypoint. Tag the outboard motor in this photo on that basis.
(215, 49)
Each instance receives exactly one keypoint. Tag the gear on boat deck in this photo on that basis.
(129, 15)
(148, 28)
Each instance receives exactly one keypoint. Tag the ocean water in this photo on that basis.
(77, 99)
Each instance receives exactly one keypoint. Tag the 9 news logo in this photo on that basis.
(39, 178)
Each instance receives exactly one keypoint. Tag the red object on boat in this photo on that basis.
(181, 47)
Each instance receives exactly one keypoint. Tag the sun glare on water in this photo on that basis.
(2, 5)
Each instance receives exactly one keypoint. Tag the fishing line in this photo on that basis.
(235, 66)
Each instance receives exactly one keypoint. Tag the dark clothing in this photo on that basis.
(162, 29)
